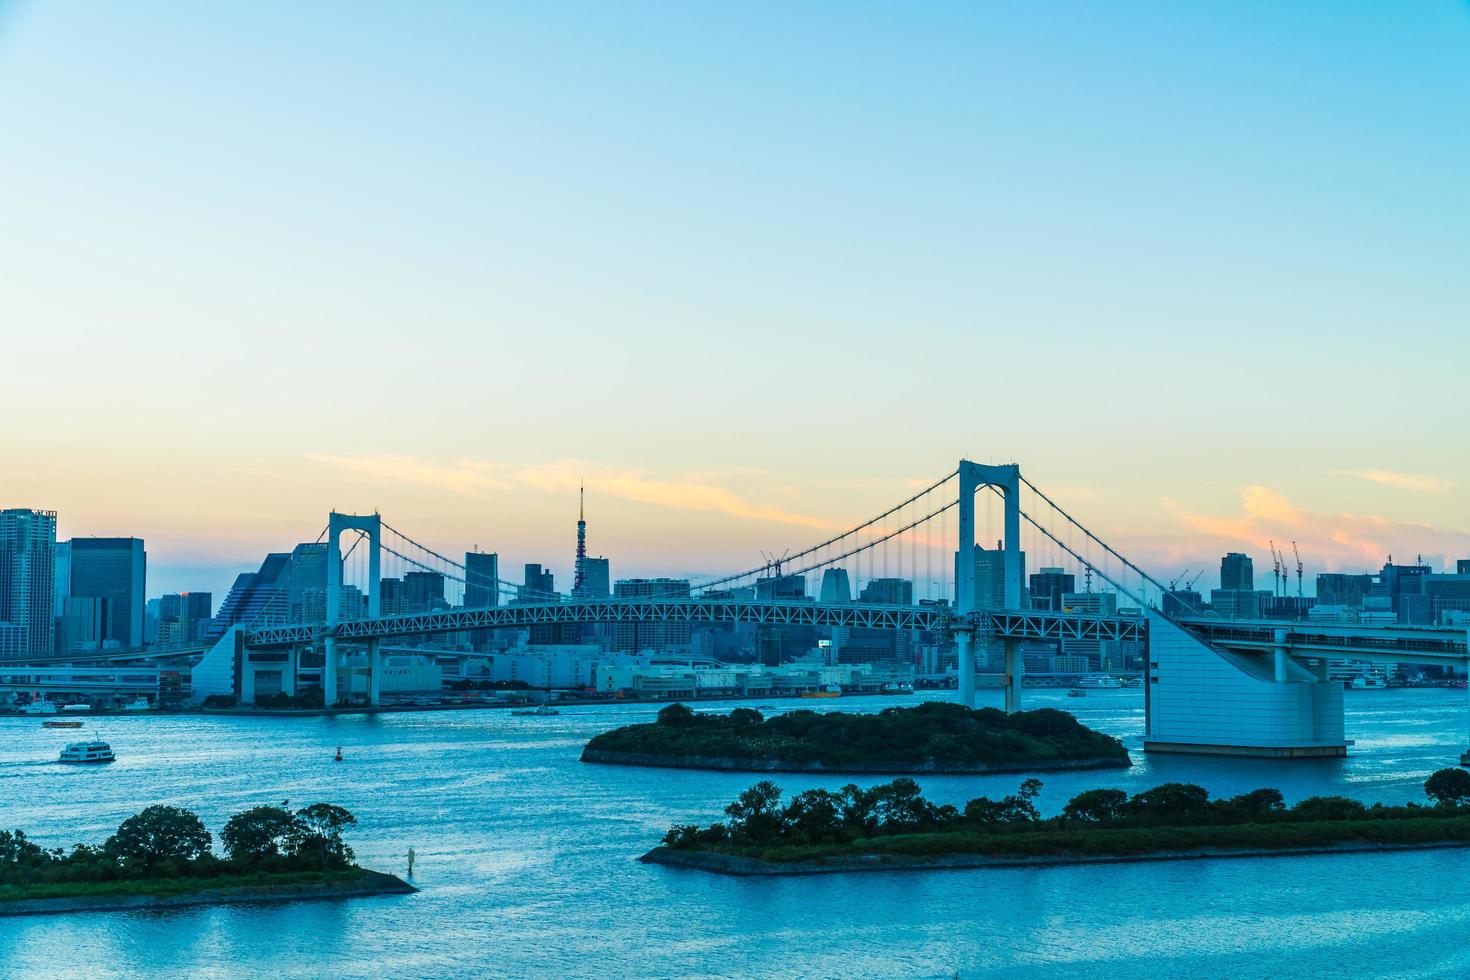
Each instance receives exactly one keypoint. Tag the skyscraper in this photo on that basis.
(114, 569)
(256, 598)
(596, 578)
(1049, 585)
(423, 592)
(836, 587)
(888, 592)
(481, 574)
(1237, 572)
(27, 578)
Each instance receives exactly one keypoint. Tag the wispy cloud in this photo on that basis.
(466, 478)
(1404, 481)
(1336, 540)
(478, 479)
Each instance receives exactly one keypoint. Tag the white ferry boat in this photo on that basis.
(39, 707)
(141, 704)
(1368, 682)
(1099, 682)
(93, 751)
(538, 711)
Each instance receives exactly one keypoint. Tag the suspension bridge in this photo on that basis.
(920, 566)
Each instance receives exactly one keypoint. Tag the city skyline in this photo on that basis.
(764, 326)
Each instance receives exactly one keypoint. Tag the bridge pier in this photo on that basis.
(375, 674)
(329, 671)
(965, 647)
(1015, 666)
(288, 672)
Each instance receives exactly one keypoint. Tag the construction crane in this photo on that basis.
(1177, 579)
(1190, 583)
(1298, 555)
(1275, 568)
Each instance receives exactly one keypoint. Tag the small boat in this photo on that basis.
(62, 724)
(87, 752)
(540, 711)
(141, 704)
(1076, 692)
(899, 688)
(39, 707)
(830, 691)
(338, 756)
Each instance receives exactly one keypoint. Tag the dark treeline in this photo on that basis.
(819, 820)
(934, 732)
(166, 842)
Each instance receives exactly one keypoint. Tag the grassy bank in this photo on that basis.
(168, 887)
(1132, 841)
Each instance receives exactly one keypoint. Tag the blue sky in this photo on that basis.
(1201, 266)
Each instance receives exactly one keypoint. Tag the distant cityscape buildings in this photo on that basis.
(89, 594)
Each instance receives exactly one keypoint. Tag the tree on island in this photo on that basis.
(676, 714)
(317, 833)
(1097, 806)
(258, 834)
(158, 833)
(1448, 787)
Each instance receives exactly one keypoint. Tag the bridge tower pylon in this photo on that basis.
(1007, 479)
(372, 526)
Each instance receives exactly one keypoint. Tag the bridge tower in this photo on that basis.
(372, 526)
(1007, 479)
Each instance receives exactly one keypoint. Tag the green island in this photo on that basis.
(933, 737)
(892, 827)
(162, 856)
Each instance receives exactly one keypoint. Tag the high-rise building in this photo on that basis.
(28, 578)
(184, 617)
(306, 583)
(423, 592)
(256, 599)
(537, 584)
(835, 586)
(888, 592)
(1338, 589)
(62, 589)
(390, 597)
(114, 569)
(481, 579)
(85, 624)
(596, 578)
(1048, 586)
(1237, 572)
(781, 587)
(990, 577)
(651, 635)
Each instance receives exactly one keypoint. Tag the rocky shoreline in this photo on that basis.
(367, 884)
(608, 757)
(745, 867)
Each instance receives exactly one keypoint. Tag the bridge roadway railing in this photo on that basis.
(1010, 624)
(1401, 644)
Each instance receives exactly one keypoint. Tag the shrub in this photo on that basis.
(1328, 808)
